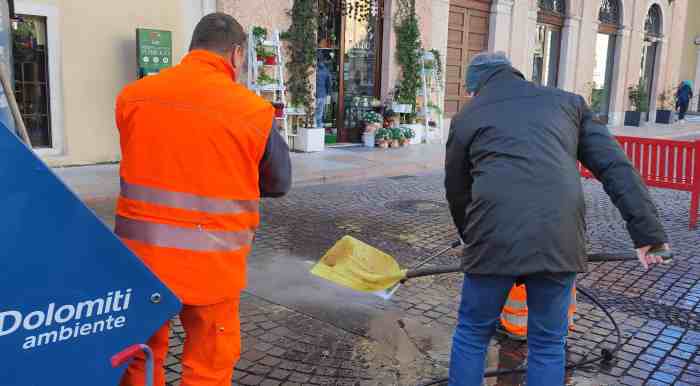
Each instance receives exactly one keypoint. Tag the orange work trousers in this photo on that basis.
(212, 347)
(514, 315)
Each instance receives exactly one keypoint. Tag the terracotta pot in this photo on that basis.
(395, 143)
(383, 144)
(405, 142)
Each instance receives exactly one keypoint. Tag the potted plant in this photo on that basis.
(264, 79)
(667, 102)
(382, 136)
(302, 43)
(259, 34)
(373, 121)
(408, 53)
(637, 96)
(408, 135)
(24, 40)
(396, 135)
(265, 55)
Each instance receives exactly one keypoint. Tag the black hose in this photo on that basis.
(605, 354)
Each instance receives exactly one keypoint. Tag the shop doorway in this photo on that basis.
(348, 72)
(467, 35)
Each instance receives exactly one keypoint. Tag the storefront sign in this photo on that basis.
(154, 50)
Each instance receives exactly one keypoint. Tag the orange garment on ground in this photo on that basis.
(514, 315)
(192, 140)
(213, 336)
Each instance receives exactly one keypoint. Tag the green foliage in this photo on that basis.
(263, 52)
(396, 133)
(372, 117)
(264, 79)
(638, 97)
(302, 44)
(408, 49)
(382, 134)
(408, 133)
(260, 34)
(438, 64)
(598, 97)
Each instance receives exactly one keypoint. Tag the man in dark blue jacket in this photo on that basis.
(516, 198)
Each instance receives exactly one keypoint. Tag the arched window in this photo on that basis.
(652, 25)
(606, 39)
(609, 13)
(545, 58)
(556, 7)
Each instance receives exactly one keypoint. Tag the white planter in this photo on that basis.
(420, 133)
(368, 139)
(401, 108)
(310, 140)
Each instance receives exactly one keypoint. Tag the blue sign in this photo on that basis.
(71, 294)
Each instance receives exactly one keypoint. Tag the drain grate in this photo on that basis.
(402, 177)
(417, 206)
(647, 309)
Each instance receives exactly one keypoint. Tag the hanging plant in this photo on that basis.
(408, 51)
(302, 40)
(360, 10)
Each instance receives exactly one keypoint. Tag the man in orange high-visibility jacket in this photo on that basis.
(514, 314)
(199, 150)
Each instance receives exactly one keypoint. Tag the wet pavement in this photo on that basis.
(300, 330)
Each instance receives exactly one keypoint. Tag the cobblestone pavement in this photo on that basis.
(407, 217)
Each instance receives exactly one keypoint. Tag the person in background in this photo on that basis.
(323, 89)
(683, 97)
(515, 195)
(199, 150)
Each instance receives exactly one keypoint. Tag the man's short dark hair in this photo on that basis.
(218, 32)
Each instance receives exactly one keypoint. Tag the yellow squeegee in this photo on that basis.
(357, 265)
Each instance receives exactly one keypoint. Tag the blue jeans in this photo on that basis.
(483, 297)
(320, 109)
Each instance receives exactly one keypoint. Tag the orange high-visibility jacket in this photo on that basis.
(192, 141)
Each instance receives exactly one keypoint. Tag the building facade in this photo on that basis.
(78, 57)
(598, 48)
(690, 65)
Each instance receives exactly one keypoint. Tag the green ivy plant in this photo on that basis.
(408, 50)
(301, 37)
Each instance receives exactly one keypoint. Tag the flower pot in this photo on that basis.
(395, 143)
(368, 139)
(383, 144)
(405, 142)
(270, 60)
(663, 116)
(633, 118)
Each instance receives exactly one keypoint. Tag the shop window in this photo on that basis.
(650, 49)
(606, 39)
(31, 75)
(545, 62)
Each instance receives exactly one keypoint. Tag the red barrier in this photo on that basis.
(665, 163)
